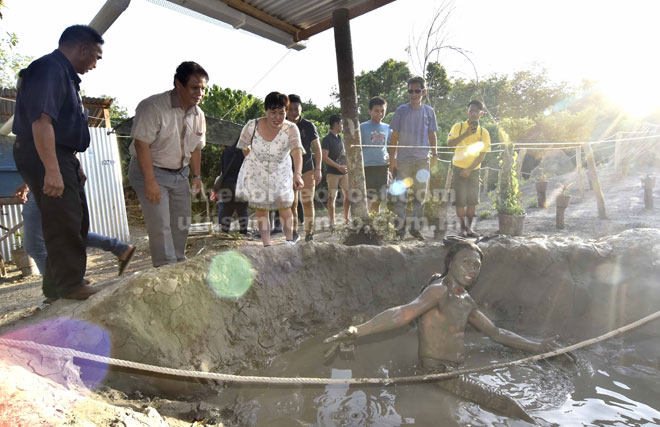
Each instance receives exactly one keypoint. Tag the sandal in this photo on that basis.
(123, 263)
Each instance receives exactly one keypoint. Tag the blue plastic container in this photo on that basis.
(10, 179)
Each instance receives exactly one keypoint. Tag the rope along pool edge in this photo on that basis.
(322, 381)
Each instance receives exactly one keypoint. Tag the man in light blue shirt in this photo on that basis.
(376, 159)
(413, 125)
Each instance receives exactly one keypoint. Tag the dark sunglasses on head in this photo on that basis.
(415, 90)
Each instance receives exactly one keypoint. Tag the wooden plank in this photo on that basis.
(106, 116)
(327, 24)
(11, 231)
(262, 16)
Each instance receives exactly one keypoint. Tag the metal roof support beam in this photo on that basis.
(221, 11)
(108, 14)
(261, 15)
(349, 112)
(328, 23)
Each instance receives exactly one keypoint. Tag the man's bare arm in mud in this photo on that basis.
(394, 317)
(508, 338)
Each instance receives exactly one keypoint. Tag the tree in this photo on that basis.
(437, 84)
(388, 81)
(10, 62)
(319, 117)
(230, 104)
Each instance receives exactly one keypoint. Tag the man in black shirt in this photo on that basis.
(50, 124)
(334, 155)
(311, 171)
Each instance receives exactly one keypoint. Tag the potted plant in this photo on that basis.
(541, 187)
(21, 259)
(509, 206)
(562, 203)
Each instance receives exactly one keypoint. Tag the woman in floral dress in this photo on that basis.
(266, 179)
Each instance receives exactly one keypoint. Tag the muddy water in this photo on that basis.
(599, 390)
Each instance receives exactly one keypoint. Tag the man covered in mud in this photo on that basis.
(443, 311)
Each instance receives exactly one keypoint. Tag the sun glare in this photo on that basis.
(637, 97)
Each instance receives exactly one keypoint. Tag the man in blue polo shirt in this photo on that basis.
(50, 124)
(413, 125)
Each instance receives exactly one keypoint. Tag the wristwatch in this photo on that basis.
(197, 176)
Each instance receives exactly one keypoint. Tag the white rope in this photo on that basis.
(305, 380)
(527, 145)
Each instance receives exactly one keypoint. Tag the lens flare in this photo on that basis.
(475, 148)
(408, 182)
(397, 188)
(423, 175)
(230, 274)
(74, 334)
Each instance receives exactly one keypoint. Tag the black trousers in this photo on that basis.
(65, 219)
(228, 206)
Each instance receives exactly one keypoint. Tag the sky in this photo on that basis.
(611, 42)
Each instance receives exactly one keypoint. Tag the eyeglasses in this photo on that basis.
(415, 90)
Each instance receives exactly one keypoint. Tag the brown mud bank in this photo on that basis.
(188, 316)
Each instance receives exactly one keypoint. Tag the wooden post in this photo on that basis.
(106, 117)
(618, 172)
(595, 182)
(648, 182)
(485, 189)
(441, 227)
(348, 102)
(561, 203)
(519, 161)
(580, 171)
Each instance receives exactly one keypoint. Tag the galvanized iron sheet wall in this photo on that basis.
(11, 215)
(104, 189)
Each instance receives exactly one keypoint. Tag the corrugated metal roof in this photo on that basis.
(284, 21)
(95, 106)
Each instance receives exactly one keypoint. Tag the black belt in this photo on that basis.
(170, 170)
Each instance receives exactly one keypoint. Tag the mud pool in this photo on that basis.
(535, 286)
(592, 391)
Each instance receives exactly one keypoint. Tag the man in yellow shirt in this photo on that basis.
(471, 142)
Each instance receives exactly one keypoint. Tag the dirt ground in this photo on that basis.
(21, 297)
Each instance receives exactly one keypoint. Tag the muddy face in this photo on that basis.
(465, 267)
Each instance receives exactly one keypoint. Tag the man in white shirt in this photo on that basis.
(169, 132)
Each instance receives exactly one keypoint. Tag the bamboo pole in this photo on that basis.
(595, 182)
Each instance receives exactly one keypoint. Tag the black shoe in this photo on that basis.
(400, 234)
(275, 230)
(296, 236)
(309, 237)
(417, 235)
